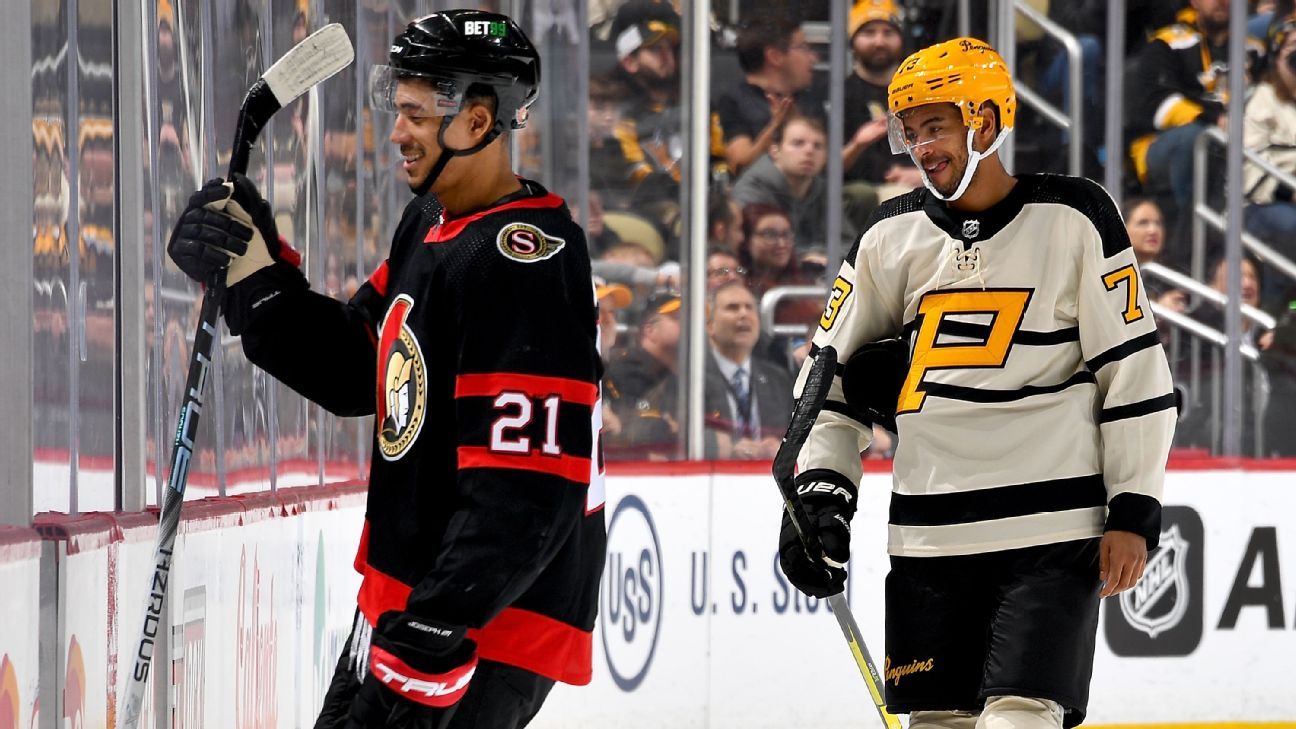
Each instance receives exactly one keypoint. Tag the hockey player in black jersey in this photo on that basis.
(473, 345)
(1035, 413)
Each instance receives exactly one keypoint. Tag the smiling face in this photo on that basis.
(415, 130)
(771, 243)
(938, 142)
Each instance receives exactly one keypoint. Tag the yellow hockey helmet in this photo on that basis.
(965, 72)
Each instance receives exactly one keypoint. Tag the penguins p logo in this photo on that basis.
(402, 382)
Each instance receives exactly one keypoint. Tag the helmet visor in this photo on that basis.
(414, 94)
(917, 136)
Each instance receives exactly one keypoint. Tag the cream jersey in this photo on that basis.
(1038, 394)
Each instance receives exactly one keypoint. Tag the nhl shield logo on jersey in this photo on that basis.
(971, 229)
(1165, 576)
(527, 243)
(402, 382)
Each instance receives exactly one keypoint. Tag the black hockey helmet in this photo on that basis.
(455, 49)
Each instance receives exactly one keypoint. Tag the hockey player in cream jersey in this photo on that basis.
(1035, 412)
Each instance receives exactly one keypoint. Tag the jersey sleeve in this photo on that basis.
(525, 402)
(325, 349)
(860, 309)
(1122, 348)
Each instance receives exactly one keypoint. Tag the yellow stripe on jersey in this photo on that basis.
(1007, 307)
(1127, 275)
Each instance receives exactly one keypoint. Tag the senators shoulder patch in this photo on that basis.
(527, 243)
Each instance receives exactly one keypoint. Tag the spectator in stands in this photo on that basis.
(655, 355)
(723, 267)
(791, 177)
(1178, 87)
(778, 67)
(647, 429)
(746, 398)
(1145, 226)
(1087, 21)
(651, 131)
(1270, 129)
(872, 173)
(1198, 427)
(598, 236)
(767, 250)
(768, 255)
(724, 222)
(609, 171)
(612, 299)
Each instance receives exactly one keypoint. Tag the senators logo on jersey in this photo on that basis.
(402, 382)
(527, 243)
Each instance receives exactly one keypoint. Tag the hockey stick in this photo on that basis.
(818, 381)
(319, 56)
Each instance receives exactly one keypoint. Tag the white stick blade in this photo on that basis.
(322, 54)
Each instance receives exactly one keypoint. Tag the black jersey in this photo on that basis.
(473, 345)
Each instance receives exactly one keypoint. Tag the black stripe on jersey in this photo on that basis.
(1123, 350)
(909, 202)
(1086, 197)
(1137, 409)
(974, 394)
(1000, 502)
(842, 408)
(981, 332)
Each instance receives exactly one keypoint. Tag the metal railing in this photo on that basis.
(777, 295)
(1201, 290)
(1203, 215)
(1219, 343)
(1071, 122)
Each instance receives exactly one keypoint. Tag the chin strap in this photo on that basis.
(974, 159)
(448, 154)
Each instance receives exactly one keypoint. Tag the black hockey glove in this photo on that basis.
(418, 671)
(872, 379)
(829, 501)
(228, 226)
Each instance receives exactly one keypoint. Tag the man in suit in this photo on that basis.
(747, 399)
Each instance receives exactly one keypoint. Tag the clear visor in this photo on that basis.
(414, 95)
(910, 140)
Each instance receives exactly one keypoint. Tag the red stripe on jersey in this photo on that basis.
(378, 279)
(362, 551)
(453, 227)
(536, 386)
(518, 637)
(539, 644)
(437, 690)
(572, 468)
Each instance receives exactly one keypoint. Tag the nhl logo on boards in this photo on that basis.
(527, 243)
(1162, 615)
(402, 380)
(1165, 571)
(971, 229)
